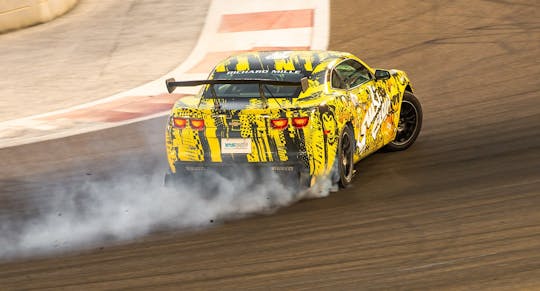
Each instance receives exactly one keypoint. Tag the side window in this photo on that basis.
(337, 80)
(353, 73)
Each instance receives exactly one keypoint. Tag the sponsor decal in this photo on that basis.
(375, 115)
(236, 145)
(277, 56)
(245, 72)
(248, 72)
(297, 72)
(195, 169)
(282, 168)
(235, 123)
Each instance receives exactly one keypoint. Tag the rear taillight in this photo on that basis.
(179, 122)
(279, 123)
(300, 122)
(197, 124)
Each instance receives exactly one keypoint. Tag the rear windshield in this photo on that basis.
(252, 90)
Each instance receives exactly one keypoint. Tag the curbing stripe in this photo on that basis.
(266, 20)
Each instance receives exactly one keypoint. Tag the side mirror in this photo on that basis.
(382, 75)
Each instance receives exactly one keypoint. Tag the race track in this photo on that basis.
(458, 210)
(94, 51)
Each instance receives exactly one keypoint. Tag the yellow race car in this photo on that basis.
(303, 115)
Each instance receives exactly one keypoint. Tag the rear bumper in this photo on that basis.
(288, 173)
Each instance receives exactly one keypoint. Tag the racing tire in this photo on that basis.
(178, 179)
(410, 123)
(169, 180)
(345, 157)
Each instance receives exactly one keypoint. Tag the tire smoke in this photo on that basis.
(130, 206)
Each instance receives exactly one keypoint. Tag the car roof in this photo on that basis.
(305, 61)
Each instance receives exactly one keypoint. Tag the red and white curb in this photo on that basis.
(231, 26)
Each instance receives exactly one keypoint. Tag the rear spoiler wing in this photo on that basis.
(172, 83)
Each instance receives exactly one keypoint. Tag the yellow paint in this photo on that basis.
(243, 64)
(286, 65)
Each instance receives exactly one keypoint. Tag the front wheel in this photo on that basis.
(410, 123)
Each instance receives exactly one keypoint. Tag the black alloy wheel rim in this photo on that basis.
(408, 122)
(346, 159)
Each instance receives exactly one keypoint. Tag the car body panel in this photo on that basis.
(370, 108)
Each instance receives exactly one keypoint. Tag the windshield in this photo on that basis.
(252, 90)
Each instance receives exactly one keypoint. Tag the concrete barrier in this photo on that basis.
(15, 14)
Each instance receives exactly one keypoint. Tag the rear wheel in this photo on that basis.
(171, 180)
(168, 180)
(345, 157)
(410, 123)
(178, 179)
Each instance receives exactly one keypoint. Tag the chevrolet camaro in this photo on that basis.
(303, 115)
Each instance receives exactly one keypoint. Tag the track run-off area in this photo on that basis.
(458, 210)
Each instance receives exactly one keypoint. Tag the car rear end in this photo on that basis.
(258, 113)
(265, 142)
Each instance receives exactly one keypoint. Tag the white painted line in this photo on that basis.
(321, 25)
(290, 37)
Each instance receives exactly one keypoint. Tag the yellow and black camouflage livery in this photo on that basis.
(342, 92)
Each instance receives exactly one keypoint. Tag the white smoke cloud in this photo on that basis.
(97, 212)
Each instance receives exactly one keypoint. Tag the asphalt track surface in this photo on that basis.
(458, 210)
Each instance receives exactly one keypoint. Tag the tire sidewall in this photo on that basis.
(411, 99)
(344, 179)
